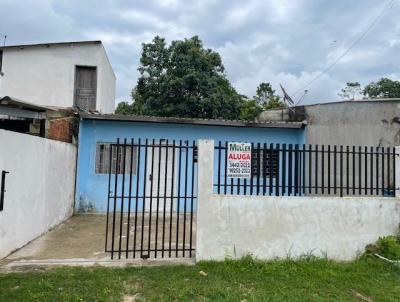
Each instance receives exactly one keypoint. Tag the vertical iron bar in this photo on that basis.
(144, 196)
(185, 198)
(115, 200)
(158, 196)
(335, 169)
(309, 169)
(258, 167)
(264, 168)
(354, 170)
(278, 169)
(172, 199)
(178, 204)
(329, 169)
(129, 199)
(359, 170)
(372, 171)
(122, 200)
(316, 169)
(283, 169)
(341, 171)
(290, 168)
(219, 168)
(347, 170)
(383, 171)
(323, 169)
(151, 196)
(395, 185)
(296, 169)
(271, 167)
(366, 170)
(388, 170)
(377, 170)
(226, 167)
(136, 197)
(165, 197)
(304, 169)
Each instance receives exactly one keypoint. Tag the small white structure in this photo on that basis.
(69, 74)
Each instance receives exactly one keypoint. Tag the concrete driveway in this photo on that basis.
(79, 241)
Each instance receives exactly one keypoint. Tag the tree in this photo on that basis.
(351, 90)
(183, 80)
(266, 97)
(384, 88)
(250, 109)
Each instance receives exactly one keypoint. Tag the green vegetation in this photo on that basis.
(384, 88)
(246, 280)
(184, 79)
(388, 247)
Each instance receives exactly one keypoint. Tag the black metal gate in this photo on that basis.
(152, 198)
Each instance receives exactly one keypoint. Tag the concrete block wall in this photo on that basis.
(39, 189)
(269, 227)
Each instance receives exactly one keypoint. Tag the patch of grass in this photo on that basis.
(308, 279)
(388, 247)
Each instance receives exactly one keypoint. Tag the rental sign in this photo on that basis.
(239, 160)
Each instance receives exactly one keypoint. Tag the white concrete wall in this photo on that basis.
(39, 189)
(278, 227)
(46, 75)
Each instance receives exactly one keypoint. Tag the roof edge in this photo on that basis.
(22, 46)
(190, 121)
(353, 101)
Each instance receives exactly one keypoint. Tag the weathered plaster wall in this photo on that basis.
(46, 76)
(359, 123)
(39, 189)
(271, 227)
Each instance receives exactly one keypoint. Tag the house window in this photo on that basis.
(264, 165)
(103, 159)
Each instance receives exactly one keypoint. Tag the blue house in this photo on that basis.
(153, 156)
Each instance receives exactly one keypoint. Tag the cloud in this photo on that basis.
(288, 42)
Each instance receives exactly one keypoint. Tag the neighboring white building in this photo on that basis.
(68, 74)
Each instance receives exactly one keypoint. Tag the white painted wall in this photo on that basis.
(40, 187)
(46, 75)
(277, 227)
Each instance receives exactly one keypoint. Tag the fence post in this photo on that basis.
(397, 173)
(205, 166)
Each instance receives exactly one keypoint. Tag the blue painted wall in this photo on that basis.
(91, 188)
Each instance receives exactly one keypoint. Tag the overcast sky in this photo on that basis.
(276, 41)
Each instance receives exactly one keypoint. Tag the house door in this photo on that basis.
(85, 87)
(160, 175)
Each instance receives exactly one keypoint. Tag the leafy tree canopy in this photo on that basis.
(183, 79)
(384, 88)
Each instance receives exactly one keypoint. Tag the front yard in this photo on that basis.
(246, 280)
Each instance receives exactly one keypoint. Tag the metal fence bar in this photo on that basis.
(178, 203)
(323, 169)
(144, 196)
(165, 197)
(122, 199)
(172, 200)
(290, 169)
(136, 200)
(158, 197)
